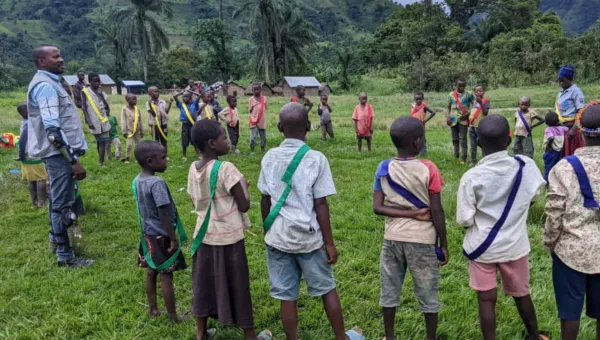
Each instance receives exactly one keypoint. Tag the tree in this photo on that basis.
(265, 26)
(112, 42)
(296, 34)
(213, 34)
(141, 27)
(182, 64)
(345, 59)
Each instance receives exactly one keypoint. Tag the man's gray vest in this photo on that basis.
(70, 123)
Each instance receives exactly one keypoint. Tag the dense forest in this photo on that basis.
(423, 45)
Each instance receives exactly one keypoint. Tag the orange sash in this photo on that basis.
(231, 122)
(294, 99)
(261, 113)
(369, 116)
(417, 109)
(479, 109)
(459, 105)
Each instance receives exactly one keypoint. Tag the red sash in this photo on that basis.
(479, 109)
(417, 109)
(459, 105)
(261, 113)
(294, 99)
(231, 122)
(369, 117)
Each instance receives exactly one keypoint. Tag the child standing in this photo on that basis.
(554, 141)
(231, 118)
(363, 121)
(207, 110)
(324, 112)
(32, 170)
(96, 111)
(481, 108)
(524, 118)
(114, 138)
(572, 233)
(301, 98)
(407, 191)
(493, 203)
(220, 279)
(188, 114)
(419, 110)
(257, 106)
(298, 231)
(459, 104)
(132, 127)
(160, 250)
(158, 118)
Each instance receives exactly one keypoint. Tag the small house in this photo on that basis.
(267, 90)
(133, 86)
(233, 89)
(311, 84)
(108, 85)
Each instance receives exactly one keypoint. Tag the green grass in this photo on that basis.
(107, 300)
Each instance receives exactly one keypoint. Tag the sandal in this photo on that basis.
(265, 335)
(355, 334)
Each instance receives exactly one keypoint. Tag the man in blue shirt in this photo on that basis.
(188, 114)
(56, 136)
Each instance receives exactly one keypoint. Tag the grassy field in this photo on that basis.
(107, 300)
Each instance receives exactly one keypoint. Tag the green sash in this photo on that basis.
(287, 179)
(214, 176)
(180, 231)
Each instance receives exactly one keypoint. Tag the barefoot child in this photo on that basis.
(298, 230)
(457, 118)
(257, 106)
(32, 170)
(188, 114)
(131, 125)
(158, 118)
(324, 112)
(231, 118)
(493, 203)
(96, 111)
(363, 121)
(160, 250)
(220, 279)
(407, 191)
(554, 141)
(114, 138)
(524, 118)
(572, 234)
(419, 110)
(480, 109)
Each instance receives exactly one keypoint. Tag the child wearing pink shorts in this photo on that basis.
(493, 204)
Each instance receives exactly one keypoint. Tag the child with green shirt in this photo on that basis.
(114, 138)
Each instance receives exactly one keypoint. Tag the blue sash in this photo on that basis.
(384, 171)
(527, 127)
(496, 228)
(584, 183)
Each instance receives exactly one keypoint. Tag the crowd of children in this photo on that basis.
(295, 182)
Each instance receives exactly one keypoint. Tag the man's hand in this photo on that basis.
(423, 215)
(78, 171)
(573, 131)
(332, 253)
(446, 257)
(173, 246)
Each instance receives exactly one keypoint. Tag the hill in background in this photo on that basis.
(577, 16)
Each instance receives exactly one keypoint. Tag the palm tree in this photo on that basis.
(345, 59)
(113, 42)
(296, 33)
(142, 28)
(263, 22)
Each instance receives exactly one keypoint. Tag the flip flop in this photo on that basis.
(265, 335)
(355, 334)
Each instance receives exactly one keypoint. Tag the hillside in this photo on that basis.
(577, 15)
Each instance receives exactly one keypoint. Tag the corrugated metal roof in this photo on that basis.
(133, 83)
(304, 81)
(104, 79)
(71, 80)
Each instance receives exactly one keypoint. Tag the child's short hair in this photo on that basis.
(461, 80)
(299, 87)
(22, 108)
(203, 131)
(230, 99)
(551, 118)
(479, 86)
(405, 130)
(256, 85)
(93, 75)
(420, 94)
(146, 149)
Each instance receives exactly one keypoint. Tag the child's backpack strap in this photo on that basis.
(287, 179)
(584, 183)
(496, 228)
(384, 171)
(214, 176)
(182, 236)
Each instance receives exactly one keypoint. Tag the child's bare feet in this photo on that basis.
(154, 314)
(178, 318)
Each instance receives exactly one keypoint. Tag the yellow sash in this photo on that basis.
(162, 133)
(187, 113)
(207, 112)
(560, 116)
(136, 117)
(93, 105)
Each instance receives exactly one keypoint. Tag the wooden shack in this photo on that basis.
(267, 90)
(311, 85)
(233, 89)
